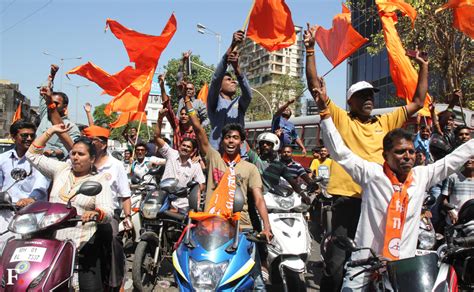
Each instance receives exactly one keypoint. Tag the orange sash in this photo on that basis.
(396, 214)
(222, 199)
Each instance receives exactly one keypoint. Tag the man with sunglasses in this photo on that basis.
(142, 164)
(34, 187)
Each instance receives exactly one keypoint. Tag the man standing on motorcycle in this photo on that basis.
(178, 163)
(393, 193)
(116, 175)
(32, 188)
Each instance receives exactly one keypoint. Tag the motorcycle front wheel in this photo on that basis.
(294, 281)
(143, 269)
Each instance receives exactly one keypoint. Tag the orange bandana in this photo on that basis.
(222, 199)
(396, 214)
(96, 131)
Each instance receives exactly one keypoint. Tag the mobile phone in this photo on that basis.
(412, 53)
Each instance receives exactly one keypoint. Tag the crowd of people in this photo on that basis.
(382, 171)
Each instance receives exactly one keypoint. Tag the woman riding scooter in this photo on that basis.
(67, 178)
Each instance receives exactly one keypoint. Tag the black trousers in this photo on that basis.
(90, 260)
(345, 219)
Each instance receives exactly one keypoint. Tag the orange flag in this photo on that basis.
(17, 115)
(463, 14)
(126, 117)
(203, 93)
(341, 40)
(270, 25)
(403, 74)
(131, 86)
(393, 5)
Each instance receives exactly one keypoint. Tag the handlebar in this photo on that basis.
(174, 215)
(464, 241)
(358, 263)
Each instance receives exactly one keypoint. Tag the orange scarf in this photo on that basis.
(222, 199)
(396, 214)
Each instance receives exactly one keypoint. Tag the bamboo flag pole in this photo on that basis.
(246, 22)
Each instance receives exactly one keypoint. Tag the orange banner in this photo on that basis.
(463, 15)
(126, 117)
(342, 40)
(17, 115)
(270, 25)
(203, 93)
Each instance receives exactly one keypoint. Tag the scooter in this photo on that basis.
(214, 255)
(161, 228)
(38, 261)
(290, 248)
(427, 235)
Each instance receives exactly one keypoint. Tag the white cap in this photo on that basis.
(361, 85)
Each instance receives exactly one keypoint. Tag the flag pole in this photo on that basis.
(329, 71)
(246, 22)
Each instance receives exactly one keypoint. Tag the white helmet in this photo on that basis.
(270, 137)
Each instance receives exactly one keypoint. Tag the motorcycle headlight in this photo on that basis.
(285, 202)
(426, 239)
(49, 220)
(151, 206)
(206, 275)
(27, 223)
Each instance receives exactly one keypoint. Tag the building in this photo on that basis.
(361, 66)
(10, 97)
(265, 68)
(152, 109)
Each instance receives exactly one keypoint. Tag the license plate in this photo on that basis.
(288, 215)
(29, 254)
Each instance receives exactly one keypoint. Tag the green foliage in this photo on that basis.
(281, 89)
(449, 50)
(198, 76)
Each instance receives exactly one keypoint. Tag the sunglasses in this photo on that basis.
(140, 150)
(26, 135)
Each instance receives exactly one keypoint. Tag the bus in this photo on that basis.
(309, 131)
(6, 144)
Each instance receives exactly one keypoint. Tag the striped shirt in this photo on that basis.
(459, 189)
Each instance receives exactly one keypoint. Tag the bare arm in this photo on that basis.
(313, 81)
(284, 107)
(158, 140)
(201, 135)
(55, 117)
(418, 100)
(434, 118)
(262, 211)
(300, 143)
(87, 109)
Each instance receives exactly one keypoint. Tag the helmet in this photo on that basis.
(270, 137)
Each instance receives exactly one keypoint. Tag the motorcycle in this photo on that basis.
(457, 255)
(290, 248)
(415, 274)
(161, 228)
(214, 255)
(38, 261)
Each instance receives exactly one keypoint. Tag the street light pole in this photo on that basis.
(202, 29)
(61, 64)
(77, 97)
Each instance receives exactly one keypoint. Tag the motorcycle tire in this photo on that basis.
(295, 281)
(143, 272)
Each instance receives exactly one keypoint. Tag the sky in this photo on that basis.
(75, 28)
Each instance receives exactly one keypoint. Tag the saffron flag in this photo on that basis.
(403, 73)
(342, 40)
(17, 115)
(203, 93)
(393, 5)
(270, 25)
(126, 117)
(131, 86)
(463, 15)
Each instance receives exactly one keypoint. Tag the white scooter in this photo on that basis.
(290, 248)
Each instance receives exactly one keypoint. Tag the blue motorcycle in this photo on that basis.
(215, 256)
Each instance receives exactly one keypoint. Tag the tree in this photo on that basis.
(198, 77)
(449, 50)
(279, 90)
(101, 119)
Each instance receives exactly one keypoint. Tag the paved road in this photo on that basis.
(312, 277)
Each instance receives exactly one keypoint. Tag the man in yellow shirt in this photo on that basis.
(322, 166)
(363, 134)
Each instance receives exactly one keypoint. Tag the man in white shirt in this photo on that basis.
(115, 173)
(393, 192)
(33, 188)
(142, 164)
(179, 164)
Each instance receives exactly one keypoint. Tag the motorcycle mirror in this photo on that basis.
(169, 185)
(154, 171)
(18, 174)
(239, 201)
(466, 213)
(429, 201)
(88, 188)
(345, 243)
(135, 180)
(5, 198)
(193, 197)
